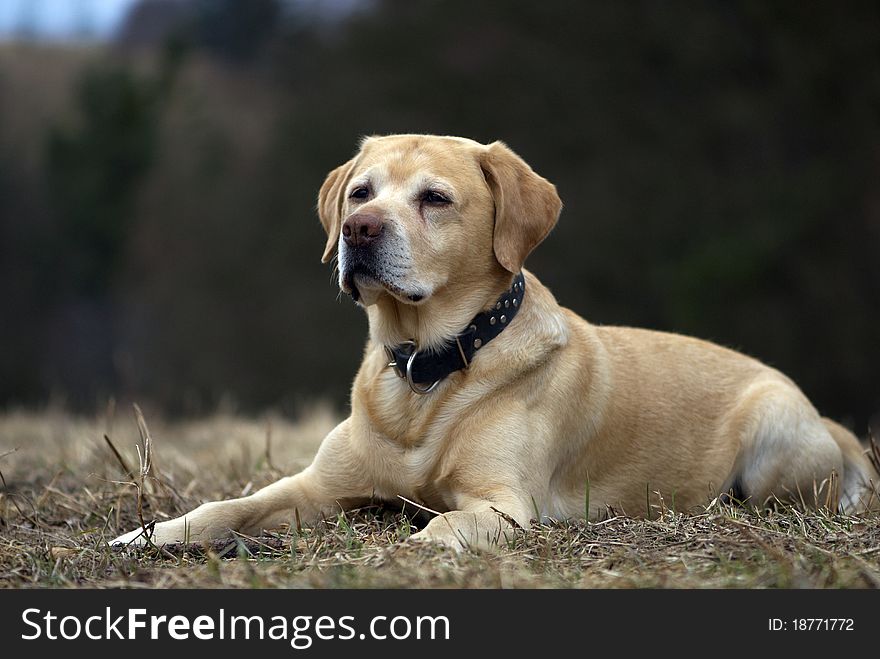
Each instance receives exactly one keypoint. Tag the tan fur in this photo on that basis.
(553, 405)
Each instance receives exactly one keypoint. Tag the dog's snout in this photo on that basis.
(362, 229)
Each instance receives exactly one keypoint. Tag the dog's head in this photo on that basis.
(413, 214)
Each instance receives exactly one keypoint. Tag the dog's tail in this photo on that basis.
(860, 481)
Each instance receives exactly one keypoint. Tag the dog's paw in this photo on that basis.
(448, 540)
(136, 538)
(162, 533)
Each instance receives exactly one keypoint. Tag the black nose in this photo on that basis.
(362, 229)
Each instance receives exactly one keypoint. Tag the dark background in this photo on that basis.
(718, 163)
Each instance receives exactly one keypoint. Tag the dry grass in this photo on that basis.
(65, 491)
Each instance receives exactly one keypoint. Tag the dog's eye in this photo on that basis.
(360, 193)
(435, 198)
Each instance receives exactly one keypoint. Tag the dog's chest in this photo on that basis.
(408, 445)
(407, 467)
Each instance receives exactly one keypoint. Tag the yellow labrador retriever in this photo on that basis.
(483, 399)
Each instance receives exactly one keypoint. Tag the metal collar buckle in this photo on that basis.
(407, 374)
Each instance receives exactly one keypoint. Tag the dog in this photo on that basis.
(488, 403)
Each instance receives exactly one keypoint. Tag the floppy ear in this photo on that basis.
(526, 205)
(330, 201)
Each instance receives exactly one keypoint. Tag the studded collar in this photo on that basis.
(424, 370)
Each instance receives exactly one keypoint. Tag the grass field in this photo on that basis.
(65, 491)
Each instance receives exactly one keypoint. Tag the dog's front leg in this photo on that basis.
(333, 480)
(480, 525)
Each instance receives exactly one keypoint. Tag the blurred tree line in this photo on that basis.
(718, 163)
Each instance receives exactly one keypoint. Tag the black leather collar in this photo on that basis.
(424, 370)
